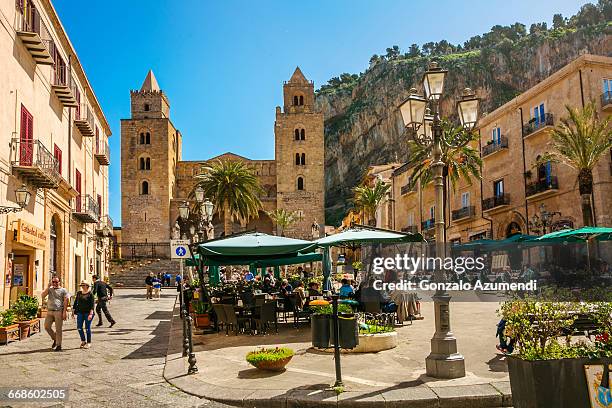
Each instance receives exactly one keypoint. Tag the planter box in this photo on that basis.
(551, 383)
(278, 365)
(9, 333)
(201, 320)
(28, 328)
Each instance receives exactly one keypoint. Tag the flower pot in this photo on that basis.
(278, 365)
(24, 329)
(320, 330)
(9, 333)
(201, 320)
(551, 383)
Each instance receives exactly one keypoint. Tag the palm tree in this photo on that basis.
(283, 219)
(233, 188)
(368, 198)
(579, 141)
(459, 162)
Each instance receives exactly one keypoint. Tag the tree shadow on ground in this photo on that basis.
(160, 315)
(156, 346)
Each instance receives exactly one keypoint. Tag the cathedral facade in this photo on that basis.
(155, 180)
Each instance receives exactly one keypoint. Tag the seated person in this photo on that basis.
(346, 290)
(267, 286)
(286, 288)
(248, 276)
(300, 294)
(313, 289)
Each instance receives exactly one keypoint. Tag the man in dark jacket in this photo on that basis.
(103, 292)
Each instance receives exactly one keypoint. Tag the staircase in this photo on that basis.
(132, 274)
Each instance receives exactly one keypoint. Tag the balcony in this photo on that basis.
(606, 101)
(34, 35)
(497, 202)
(428, 224)
(102, 153)
(64, 86)
(495, 146)
(412, 229)
(84, 120)
(535, 126)
(542, 188)
(407, 189)
(31, 161)
(86, 209)
(463, 214)
(105, 226)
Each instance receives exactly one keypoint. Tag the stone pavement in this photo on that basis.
(123, 367)
(392, 378)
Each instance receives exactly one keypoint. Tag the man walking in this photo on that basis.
(103, 292)
(57, 306)
(149, 284)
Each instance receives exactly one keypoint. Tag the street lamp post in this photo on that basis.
(544, 220)
(22, 198)
(426, 129)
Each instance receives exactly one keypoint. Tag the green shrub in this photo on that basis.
(7, 318)
(26, 307)
(268, 354)
(201, 307)
(328, 309)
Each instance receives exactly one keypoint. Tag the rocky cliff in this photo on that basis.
(363, 126)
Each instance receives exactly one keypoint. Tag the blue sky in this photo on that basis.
(222, 63)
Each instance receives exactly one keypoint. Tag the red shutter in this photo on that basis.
(77, 180)
(99, 205)
(57, 153)
(26, 143)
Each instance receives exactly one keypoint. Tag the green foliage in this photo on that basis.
(374, 329)
(233, 188)
(268, 355)
(7, 318)
(328, 309)
(283, 219)
(368, 198)
(26, 307)
(200, 307)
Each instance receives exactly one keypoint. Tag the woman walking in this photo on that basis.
(84, 310)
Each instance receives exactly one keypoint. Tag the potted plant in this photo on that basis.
(9, 329)
(271, 359)
(547, 372)
(201, 313)
(26, 309)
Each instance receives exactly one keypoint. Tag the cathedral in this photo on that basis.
(155, 180)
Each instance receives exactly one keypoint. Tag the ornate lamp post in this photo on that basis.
(426, 129)
(543, 221)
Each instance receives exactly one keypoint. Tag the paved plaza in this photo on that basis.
(123, 367)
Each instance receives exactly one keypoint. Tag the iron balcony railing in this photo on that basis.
(464, 212)
(495, 201)
(62, 77)
(428, 224)
(86, 208)
(102, 152)
(540, 186)
(29, 21)
(538, 123)
(84, 119)
(35, 161)
(127, 250)
(606, 98)
(494, 146)
(105, 226)
(407, 188)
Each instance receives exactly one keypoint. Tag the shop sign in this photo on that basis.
(30, 235)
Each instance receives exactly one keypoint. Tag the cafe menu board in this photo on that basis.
(18, 272)
(31, 235)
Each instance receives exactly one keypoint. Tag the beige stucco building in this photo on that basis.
(155, 179)
(54, 135)
(516, 186)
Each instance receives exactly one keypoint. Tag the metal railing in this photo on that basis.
(127, 250)
(464, 212)
(540, 186)
(428, 224)
(85, 114)
(538, 123)
(495, 201)
(29, 21)
(606, 98)
(102, 148)
(85, 204)
(494, 146)
(62, 76)
(32, 153)
(407, 188)
(106, 222)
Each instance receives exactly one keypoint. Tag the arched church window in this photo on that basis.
(148, 138)
(142, 138)
(301, 100)
(297, 134)
(303, 159)
(303, 134)
(147, 107)
(296, 100)
(300, 183)
(297, 159)
(144, 188)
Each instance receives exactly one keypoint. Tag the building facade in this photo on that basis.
(155, 180)
(55, 137)
(518, 190)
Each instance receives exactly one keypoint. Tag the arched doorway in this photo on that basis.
(513, 228)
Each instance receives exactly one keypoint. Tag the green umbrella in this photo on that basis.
(327, 267)
(265, 261)
(583, 234)
(277, 273)
(254, 244)
(213, 275)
